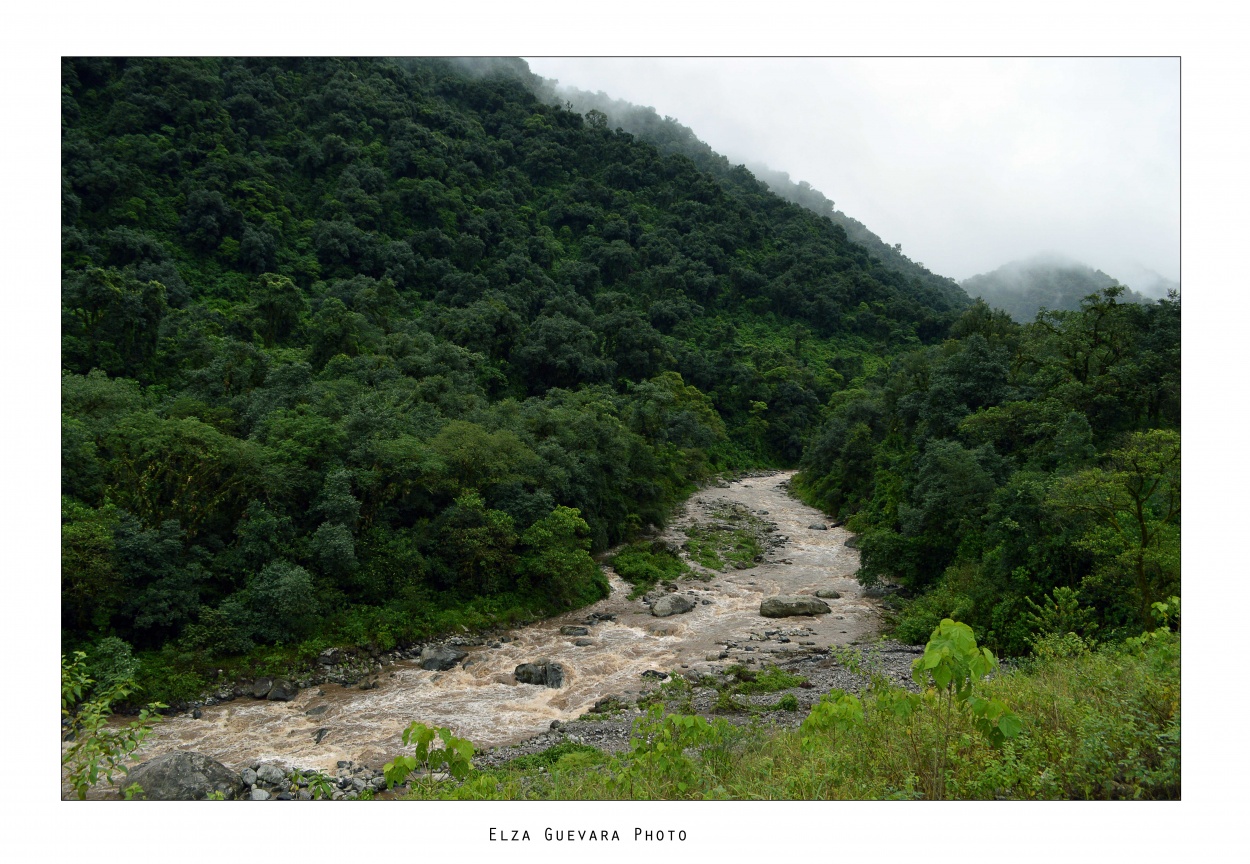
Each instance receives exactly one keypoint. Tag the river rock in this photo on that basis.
(248, 777)
(655, 674)
(282, 691)
(852, 542)
(582, 643)
(330, 657)
(818, 526)
(184, 777)
(270, 775)
(572, 630)
(441, 657)
(828, 593)
(260, 795)
(261, 687)
(317, 711)
(542, 674)
(671, 604)
(785, 605)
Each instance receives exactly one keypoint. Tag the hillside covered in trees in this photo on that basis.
(1022, 479)
(358, 350)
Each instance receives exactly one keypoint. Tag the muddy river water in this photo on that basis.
(480, 700)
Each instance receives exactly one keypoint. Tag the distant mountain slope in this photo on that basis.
(1022, 288)
(670, 136)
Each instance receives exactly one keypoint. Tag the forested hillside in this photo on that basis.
(1022, 479)
(359, 350)
(671, 136)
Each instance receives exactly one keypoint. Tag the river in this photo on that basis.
(481, 701)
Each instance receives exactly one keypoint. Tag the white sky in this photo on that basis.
(968, 162)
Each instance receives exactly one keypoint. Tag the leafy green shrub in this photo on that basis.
(552, 755)
(98, 751)
(920, 616)
(643, 564)
(665, 759)
(112, 662)
(455, 755)
(559, 559)
(768, 680)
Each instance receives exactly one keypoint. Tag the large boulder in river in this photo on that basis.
(282, 691)
(828, 593)
(261, 687)
(184, 777)
(543, 674)
(441, 657)
(671, 604)
(785, 605)
(573, 630)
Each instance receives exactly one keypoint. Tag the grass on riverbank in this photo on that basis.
(1097, 724)
(644, 564)
(731, 539)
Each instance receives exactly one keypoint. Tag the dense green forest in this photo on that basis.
(671, 136)
(355, 351)
(1022, 479)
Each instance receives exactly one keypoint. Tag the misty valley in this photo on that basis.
(432, 431)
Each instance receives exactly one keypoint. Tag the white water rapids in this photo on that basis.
(481, 700)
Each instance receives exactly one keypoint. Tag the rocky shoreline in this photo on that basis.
(608, 726)
(795, 631)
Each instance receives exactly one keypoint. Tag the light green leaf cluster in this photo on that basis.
(455, 755)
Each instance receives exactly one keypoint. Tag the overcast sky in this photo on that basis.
(969, 163)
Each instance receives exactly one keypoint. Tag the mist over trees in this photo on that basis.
(671, 136)
(1023, 288)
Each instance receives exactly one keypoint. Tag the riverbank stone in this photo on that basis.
(544, 674)
(261, 687)
(270, 775)
(671, 604)
(282, 691)
(786, 605)
(828, 593)
(440, 658)
(184, 777)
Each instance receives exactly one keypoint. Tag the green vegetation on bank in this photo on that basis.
(1073, 722)
(646, 563)
(1017, 477)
